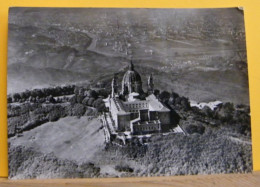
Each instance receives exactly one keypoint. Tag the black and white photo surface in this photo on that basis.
(102, 92)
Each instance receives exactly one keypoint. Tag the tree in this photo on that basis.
(85, 101)
(79, 98)
(16, 97)
(92, 93)
(225, 112)
(99, 105)
(9, 99)
(78, 110)
(185, 103)
(73, 100)
(156, 92)
(164, 96)
(81, 91)
(91, 101)
(103, 92)
(51, 99)
(57, 91)
(97, 102)
(76, 90)
(54, 115)
(207, 111)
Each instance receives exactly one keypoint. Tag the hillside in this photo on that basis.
(216, 140)
(189, 51)
(69, 138)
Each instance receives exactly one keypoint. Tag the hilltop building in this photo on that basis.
(133, 112)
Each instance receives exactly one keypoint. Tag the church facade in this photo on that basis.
(131, 111)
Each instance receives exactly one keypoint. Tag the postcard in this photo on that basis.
(127, 92)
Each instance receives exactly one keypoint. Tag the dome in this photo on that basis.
(131, 76)
(132, 81)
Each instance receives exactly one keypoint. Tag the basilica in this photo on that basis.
(131, 111)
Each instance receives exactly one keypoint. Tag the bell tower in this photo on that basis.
(150, 83)
(114, 86)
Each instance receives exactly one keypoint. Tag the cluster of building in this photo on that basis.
(131, 112)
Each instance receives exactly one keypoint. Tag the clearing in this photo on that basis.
(71, 138)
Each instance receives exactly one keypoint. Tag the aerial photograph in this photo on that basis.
(127, 92)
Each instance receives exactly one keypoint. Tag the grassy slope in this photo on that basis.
(68, 138)
(67, 146)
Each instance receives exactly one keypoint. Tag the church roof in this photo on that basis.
(131, 75)
(155, 104)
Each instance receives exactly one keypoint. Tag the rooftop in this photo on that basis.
(155, 104)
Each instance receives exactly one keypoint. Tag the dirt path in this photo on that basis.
(237, 140)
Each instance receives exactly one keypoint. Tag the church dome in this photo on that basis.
(132, 81)
(131, 76)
